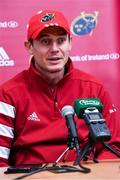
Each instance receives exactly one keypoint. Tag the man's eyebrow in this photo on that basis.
(43, 35)
(47, 35)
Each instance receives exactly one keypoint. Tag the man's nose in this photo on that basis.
(54, 47)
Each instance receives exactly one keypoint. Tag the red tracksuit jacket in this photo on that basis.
(32, 129)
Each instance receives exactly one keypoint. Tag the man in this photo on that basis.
(32, 129)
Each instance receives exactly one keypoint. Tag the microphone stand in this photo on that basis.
(111, 149)
(89, 147)
(72, 144)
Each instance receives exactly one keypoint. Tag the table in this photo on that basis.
(104, 170)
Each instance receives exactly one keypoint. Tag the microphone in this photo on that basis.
(90, 110)
(68, 113)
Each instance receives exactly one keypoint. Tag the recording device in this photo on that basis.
(68, 113)
(90, 110)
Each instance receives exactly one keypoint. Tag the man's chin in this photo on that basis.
(55, 70)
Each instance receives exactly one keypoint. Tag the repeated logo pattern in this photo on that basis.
(84, 24)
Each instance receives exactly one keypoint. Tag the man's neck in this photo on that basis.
(52, 78)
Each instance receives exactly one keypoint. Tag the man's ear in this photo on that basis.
(70, 46)
(28, 47)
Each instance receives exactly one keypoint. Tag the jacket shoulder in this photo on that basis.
(84, 76)
(17, 80)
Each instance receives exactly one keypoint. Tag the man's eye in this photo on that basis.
(61, 40)
(45, 41)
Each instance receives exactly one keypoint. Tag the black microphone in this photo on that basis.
(68, 113)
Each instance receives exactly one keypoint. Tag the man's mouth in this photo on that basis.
(54, 58)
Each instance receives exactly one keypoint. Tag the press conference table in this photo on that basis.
(104, 170)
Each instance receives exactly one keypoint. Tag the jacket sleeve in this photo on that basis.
(7, 115)
(113, 123)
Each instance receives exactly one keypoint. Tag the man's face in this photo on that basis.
(51, 49)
